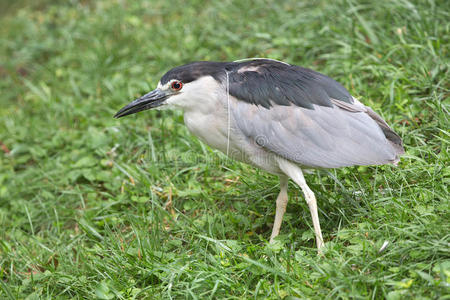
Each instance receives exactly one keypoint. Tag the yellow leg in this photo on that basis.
(282, 201)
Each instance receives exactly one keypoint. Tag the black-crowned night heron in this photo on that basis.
(276, 116)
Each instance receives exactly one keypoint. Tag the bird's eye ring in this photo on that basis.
(176, 85)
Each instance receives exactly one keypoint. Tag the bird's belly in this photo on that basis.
(214, 131)
(210, 129)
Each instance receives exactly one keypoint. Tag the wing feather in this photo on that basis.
(307, 117)
(323, 137)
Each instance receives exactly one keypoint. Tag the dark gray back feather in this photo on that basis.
(267, 83)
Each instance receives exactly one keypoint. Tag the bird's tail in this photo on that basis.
(394, 139)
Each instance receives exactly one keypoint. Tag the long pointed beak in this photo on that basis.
(153, 99)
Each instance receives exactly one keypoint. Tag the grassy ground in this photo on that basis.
(94, 207)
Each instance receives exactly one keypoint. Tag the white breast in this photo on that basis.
(206, 115)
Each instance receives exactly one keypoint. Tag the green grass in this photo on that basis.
(137, 208)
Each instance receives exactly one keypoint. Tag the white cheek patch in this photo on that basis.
(197, 94)
(177, 100)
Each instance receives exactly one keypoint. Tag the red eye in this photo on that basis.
(177, 85)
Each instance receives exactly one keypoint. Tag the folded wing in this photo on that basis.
(319, 133)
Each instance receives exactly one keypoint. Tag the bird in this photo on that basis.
(282, 118)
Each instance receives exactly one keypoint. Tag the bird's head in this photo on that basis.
(181, 87)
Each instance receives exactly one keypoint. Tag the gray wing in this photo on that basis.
(307, 117)
(323, 137)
